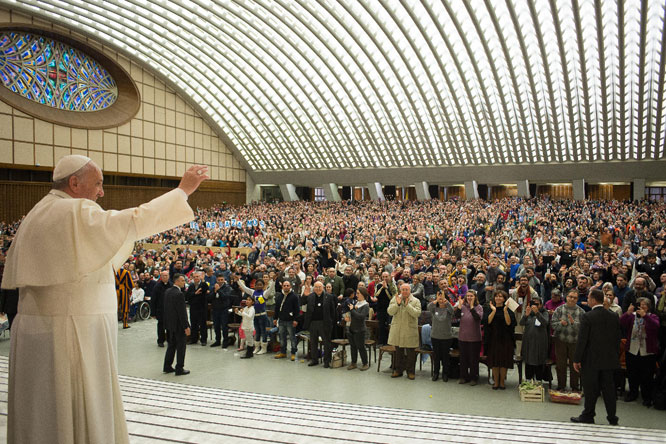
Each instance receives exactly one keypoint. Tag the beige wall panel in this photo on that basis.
(148, 130)
(43, 132)
(24, 153)
(62, 136)
(44, 155)
(110, 162)
(136, 146)
(6, 126)
(180, 136)
(149, 148)
(124, 145)
(79, 138)
(137, 128)
(96, 140)
(137, 165)
(148, 112)
(160, 150)
(170, 168)
(23, 129)
(148, 166)
(110, 142)
(170, 151)
(160, 132)
(160, 167)
(126, 129)
(6, 151)
(124, 164)
(160, 96)
(160, 115)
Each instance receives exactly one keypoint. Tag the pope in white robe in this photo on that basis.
(63, 374)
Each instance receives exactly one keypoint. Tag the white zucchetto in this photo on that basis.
(69, 165)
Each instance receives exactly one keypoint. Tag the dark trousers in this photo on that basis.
(198, 324)
(469, 360)
(176, 348)
(161, 331)
(440, 354)
(260, 327)
(537, 372)
(564, 353)
(220, 324)
(316, 330)
(640, 372)
(405, 360)
(596, 382)
(357, 345)
(383, 321)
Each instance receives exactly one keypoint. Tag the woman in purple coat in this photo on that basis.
(469, 338)
(641, 328)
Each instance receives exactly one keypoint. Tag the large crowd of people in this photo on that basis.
(481, 277)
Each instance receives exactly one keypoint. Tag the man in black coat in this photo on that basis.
(221, 302)
(197, 297)
(319, 321)
(175, 320)
(287, 309)
(598, 355)
(157, 305)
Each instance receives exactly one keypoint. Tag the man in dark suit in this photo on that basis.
(197, 297)
(175, 321)
(319, 321)
(157, 305)
(598, 355)
(221, 302)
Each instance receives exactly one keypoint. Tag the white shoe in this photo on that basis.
(263, 348)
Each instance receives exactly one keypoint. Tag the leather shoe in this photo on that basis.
(280, 356)
(182, 372)
(327, 365)
(215, 344)
(396, 375)
(435, 377)
(581, 420)
(473, 382)
(169, 370)
(160, 344)
(613, 421)
(313, 363)
(647, 402)
(411, 376)
(445, 377)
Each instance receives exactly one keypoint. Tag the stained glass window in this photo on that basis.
(53, 73)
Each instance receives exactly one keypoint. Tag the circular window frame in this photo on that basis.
(120, 112)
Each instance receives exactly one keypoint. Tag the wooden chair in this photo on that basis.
(420, 352)
(385, 349)
(342, 343)
(372, 327)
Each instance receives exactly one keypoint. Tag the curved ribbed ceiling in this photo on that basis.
(323, 84)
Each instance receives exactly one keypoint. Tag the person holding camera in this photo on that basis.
(641, 328)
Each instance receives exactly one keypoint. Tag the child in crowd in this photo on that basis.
(247, 325)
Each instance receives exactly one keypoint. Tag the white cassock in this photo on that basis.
(63, 371)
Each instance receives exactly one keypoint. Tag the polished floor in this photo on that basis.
(226, 399)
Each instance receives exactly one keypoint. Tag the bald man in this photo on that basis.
(63, 376)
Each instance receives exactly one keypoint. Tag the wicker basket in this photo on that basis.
(533, 395)
(570, 398)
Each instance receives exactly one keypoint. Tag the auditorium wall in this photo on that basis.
(164, 137)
